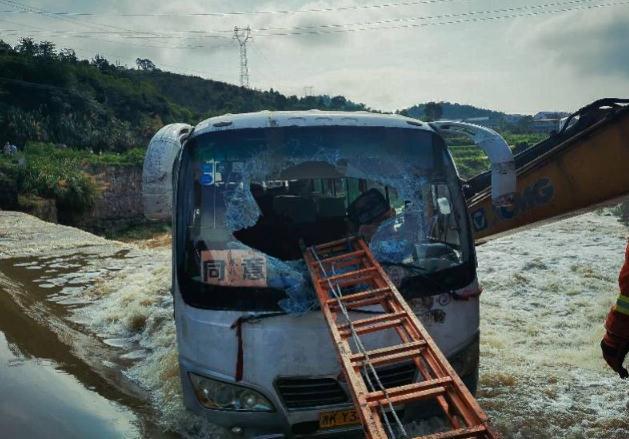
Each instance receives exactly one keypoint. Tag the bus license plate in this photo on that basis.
(337, 419)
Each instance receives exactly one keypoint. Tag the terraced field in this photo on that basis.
(471, 160)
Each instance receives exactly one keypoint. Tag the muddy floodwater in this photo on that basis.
(87, 340)
(48, 392)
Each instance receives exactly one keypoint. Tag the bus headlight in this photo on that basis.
(219, 395)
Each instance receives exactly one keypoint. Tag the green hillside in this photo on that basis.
(456, 111)
(49, 95)
(106, 114)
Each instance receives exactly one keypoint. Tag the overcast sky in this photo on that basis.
(520, 57)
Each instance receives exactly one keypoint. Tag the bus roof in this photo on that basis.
(271, 119)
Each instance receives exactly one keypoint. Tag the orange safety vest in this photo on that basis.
(623, 279)
(618, 318)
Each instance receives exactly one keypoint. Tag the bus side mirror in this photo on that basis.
(157, 173)
(503, 175)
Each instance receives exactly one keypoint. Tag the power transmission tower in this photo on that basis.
(242, 36)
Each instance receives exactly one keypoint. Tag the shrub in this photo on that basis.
(55, 173)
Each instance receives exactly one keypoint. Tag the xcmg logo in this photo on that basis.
(538, 194)
(535, 195)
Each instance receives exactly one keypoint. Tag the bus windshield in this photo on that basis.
(249, 200)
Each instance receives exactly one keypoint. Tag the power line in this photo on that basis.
(22, 7)
(442, 23)
(367, 26)
(21, 33)
(39, 11)
(39, 31)
(213, 34)
(88, 34)
(426, 17)
(133, 34)
(270, 12)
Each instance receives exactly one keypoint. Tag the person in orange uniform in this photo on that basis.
(615, 343)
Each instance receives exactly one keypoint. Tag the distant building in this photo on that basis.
(547, 121)
(545, 115)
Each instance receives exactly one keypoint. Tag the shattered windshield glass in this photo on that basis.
(252, 198)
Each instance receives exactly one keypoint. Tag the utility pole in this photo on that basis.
(242, 36)
(308, 90)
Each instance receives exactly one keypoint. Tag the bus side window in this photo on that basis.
(317, 186)
(353, 189)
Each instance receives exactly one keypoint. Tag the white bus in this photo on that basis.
(246, 192)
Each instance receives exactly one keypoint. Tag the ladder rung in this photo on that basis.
(459, 433)
(435, 383)
(358, 324)
(366, 280)
(349, 274)
(409, 392)
(341, 257)
(347, 332)
(374, 300)
(391, 354)
(376, 293)
(335, 243)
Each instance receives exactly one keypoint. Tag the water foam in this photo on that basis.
(547, 292)
(134, 304)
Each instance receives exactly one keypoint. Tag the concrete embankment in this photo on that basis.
(117, 203)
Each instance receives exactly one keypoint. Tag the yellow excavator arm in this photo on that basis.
(583, 166)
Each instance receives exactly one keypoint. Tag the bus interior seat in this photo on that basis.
(368, 207)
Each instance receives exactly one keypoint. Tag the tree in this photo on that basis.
(101, 63)
(27, 47)
(45, 49)
(433, 111)
(338, 102)
(145, 64)
(5, 47)
(67, 55)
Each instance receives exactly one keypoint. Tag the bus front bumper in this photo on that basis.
(284, 423)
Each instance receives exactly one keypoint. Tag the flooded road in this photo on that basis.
(87, 341)
(67, 356)
(47, 392)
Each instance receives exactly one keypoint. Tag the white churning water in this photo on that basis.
(547, 292)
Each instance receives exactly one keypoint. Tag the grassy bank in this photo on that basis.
(83, 157)
(59, 173)
(147, 235)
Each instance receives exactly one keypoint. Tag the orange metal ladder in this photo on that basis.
(346, 276)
